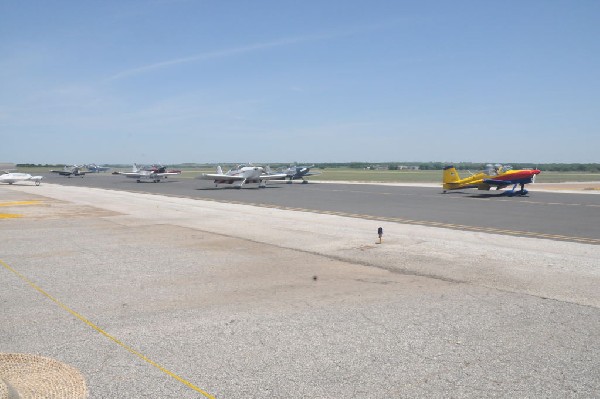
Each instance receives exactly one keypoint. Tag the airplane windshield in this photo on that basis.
(494, 170)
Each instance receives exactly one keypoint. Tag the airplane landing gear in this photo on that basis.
(521, 192)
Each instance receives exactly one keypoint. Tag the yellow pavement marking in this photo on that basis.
(9, 216)
(16, 203)
(107, 335)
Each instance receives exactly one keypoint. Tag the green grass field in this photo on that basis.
(434, 176)
(386, 176)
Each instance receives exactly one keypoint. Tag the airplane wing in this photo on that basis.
(128, 174)
(498, 183)
(167, 174)
(221, 177)
(278, 176)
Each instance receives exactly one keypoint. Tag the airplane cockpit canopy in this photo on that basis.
(490, 170)
(493, 170)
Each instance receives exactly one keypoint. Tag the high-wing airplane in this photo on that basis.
(295, 172)
(498, 176)
(14, 177)
(74, 170)
(140, 174)
(92, 167)
(241, 175)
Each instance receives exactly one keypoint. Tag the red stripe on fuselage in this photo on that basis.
(522, 174)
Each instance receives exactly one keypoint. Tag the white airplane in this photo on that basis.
(139, 174)
(241, 175)
(14, 177)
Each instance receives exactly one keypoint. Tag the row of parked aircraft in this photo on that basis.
(494, 176)
(238, 176)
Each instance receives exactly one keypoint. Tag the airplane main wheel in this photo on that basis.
(37, 183)
(304, 181)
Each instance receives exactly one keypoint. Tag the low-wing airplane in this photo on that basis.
(241, 175)
(295, 172)
(74, 170)
(14, 177)
(160, 169)
(93, 168)
(498, 176)
(140, 174)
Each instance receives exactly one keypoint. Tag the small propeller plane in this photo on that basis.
(93, 168)
(499, 176)
(295, 172)
(67, 171)
(14, 177)
(241, 175)
(140, 174)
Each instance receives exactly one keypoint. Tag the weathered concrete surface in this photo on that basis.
(225, 297)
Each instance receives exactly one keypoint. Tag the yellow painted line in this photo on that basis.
(107, 335)
(9, 216)
(16, 203)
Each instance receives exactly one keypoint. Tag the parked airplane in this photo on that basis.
(295, 172)
(70, 171)
(160, 169)
(241, 175)
(93, 168)
(140, 174)
(14, 177)
(498, 176)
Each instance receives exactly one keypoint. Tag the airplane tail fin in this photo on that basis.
(219, 170)
(450, 175)
(268, 169)
(134, 168)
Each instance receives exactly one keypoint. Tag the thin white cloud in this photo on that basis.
(239, 50)
(215, 54)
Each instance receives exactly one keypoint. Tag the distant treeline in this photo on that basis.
(552, 167)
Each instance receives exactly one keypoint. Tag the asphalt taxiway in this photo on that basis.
(550, 215)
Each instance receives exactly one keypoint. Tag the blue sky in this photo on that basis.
(177, 81)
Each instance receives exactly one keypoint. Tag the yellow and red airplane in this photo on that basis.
(498, 176)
